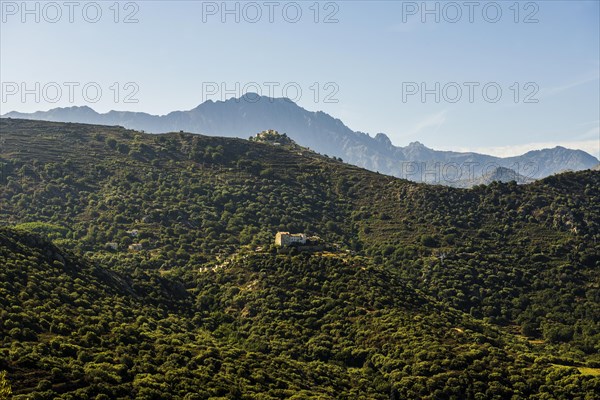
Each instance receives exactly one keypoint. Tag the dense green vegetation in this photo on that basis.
(303, 326)
(434, 292)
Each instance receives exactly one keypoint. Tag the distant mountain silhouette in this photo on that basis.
(242, 117)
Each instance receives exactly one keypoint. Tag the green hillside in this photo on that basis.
(424, 292)
(266, 326)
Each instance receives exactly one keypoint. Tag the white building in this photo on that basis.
(286, 238)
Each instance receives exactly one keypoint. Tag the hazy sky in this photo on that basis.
(497, 77)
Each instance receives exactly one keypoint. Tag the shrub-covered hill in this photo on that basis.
(522, 257)
(188, 193)
(263, 326)
(526, 257)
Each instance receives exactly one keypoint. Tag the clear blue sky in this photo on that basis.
(371, 55)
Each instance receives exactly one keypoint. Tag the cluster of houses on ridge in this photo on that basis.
(273, 137)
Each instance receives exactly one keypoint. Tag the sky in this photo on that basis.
(499, 77)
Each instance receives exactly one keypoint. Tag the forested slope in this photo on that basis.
(426, 291)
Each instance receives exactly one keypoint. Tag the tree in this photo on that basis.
(112, 143)
(5, 390)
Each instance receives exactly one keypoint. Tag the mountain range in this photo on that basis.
(251, 113)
